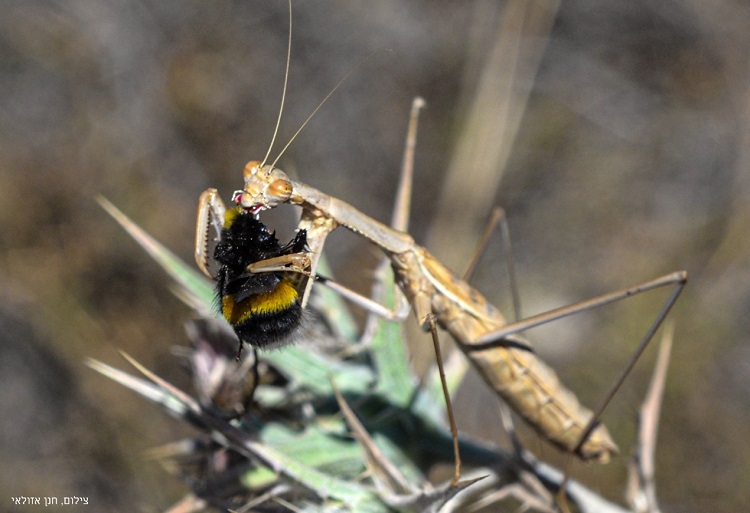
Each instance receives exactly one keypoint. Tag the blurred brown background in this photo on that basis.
(615, 134)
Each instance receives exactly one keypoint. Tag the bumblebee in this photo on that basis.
(259, 281)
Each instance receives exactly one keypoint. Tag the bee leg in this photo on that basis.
(239, 352)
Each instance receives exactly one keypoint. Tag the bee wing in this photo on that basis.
(251, 284)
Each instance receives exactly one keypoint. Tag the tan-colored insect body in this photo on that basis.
(505, 360)
(509, 366)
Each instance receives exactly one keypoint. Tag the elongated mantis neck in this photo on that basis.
(343, 213)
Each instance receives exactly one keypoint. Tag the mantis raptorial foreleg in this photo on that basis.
(295, 263)
(211, 214)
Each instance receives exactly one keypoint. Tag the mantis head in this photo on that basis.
(265, 187)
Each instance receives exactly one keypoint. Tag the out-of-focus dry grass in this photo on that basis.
(630, 161)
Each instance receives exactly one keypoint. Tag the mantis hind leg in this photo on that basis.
(400, 221)
(498, 218)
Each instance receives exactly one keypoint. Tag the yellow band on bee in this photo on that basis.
(230, 215)
(280, 299)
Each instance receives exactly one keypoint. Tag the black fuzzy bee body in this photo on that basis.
(263, 308)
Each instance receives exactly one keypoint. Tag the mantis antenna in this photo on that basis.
(324, 100)
(283, 93)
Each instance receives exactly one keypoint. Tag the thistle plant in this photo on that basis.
(337, 422)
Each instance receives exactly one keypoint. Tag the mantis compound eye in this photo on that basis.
(251, 169)
(280, 190)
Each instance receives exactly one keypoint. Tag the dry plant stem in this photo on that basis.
(561, 497)
(229, 435)
(507, 420)
(641, 490)
(495, 102)
(529, 498)
(376, 461)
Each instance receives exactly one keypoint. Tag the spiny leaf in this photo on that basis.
(193, 284)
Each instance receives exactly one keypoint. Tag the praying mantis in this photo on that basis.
(440, 299)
